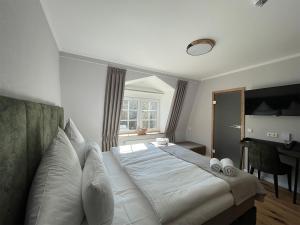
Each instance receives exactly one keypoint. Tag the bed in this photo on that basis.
(27, 129)
(131, 207)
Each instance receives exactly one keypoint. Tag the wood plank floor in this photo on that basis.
(279, 211)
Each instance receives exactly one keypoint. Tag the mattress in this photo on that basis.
(132, 207)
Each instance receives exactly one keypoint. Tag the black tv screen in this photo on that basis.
(275, 101)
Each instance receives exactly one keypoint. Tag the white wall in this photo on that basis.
(183, 130)
(280, 73)
(83, 88)
(29, 58)
(165, 106)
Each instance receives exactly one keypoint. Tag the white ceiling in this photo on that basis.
(153, 34)
(151, 83)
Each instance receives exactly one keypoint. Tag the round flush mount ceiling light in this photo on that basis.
(200, 47)
(259, 3)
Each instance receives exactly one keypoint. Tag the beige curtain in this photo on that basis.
(114, 91)
(177, 104)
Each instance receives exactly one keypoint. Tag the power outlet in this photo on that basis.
(272, 134)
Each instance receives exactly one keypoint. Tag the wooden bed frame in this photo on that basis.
(26, 131)
(244, 214)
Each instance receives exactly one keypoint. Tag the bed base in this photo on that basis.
(244, 214)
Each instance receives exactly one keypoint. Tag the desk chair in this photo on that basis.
(265, 158)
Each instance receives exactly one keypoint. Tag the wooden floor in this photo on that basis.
(277, 211)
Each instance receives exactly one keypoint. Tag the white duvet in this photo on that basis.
(172, 186)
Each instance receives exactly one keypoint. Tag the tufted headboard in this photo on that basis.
(26, 130)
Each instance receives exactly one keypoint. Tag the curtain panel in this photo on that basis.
(177, 104)
(114, 92)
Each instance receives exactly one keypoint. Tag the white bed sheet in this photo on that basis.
(132, 207)
(172, 186)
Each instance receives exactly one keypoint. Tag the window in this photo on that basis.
(129, 115)
(139, 113)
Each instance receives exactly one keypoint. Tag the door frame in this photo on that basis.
(214, 93)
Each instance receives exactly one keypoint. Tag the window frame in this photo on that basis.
(139, 114)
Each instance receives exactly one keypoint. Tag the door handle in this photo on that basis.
(235, 126)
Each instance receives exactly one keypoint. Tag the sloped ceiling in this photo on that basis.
(151, 84)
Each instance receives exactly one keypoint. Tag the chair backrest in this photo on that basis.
(263, 157)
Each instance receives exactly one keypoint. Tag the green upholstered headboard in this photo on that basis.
(26, 130)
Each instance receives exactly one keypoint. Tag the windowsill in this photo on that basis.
(135, 134)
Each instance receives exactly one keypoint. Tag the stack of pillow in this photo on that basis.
(70, 184)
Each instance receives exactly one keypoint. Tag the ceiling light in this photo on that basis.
(259, 3)
(200, 47)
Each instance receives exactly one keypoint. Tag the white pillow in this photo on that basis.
(77, 140)
(98, 202)
(55, 194)
(92, 145)
(72, 132)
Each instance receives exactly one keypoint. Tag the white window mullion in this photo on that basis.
(128, 114)
(149, 105)
(140, 123)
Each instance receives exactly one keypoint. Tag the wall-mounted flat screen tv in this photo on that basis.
(274, 101)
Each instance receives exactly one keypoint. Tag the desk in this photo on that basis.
(292, 153)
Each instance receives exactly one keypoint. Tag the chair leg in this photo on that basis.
(258, 174)
(276, 185)
(252, 170)
(290, 180)
(248, 166)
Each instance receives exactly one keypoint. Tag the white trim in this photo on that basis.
(153, 72)
(133, 68)
(252, 66)
(149, 92)
(135, 134)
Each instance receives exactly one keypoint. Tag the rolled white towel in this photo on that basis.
(215, 164)
(228, 167)
(162, 141)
